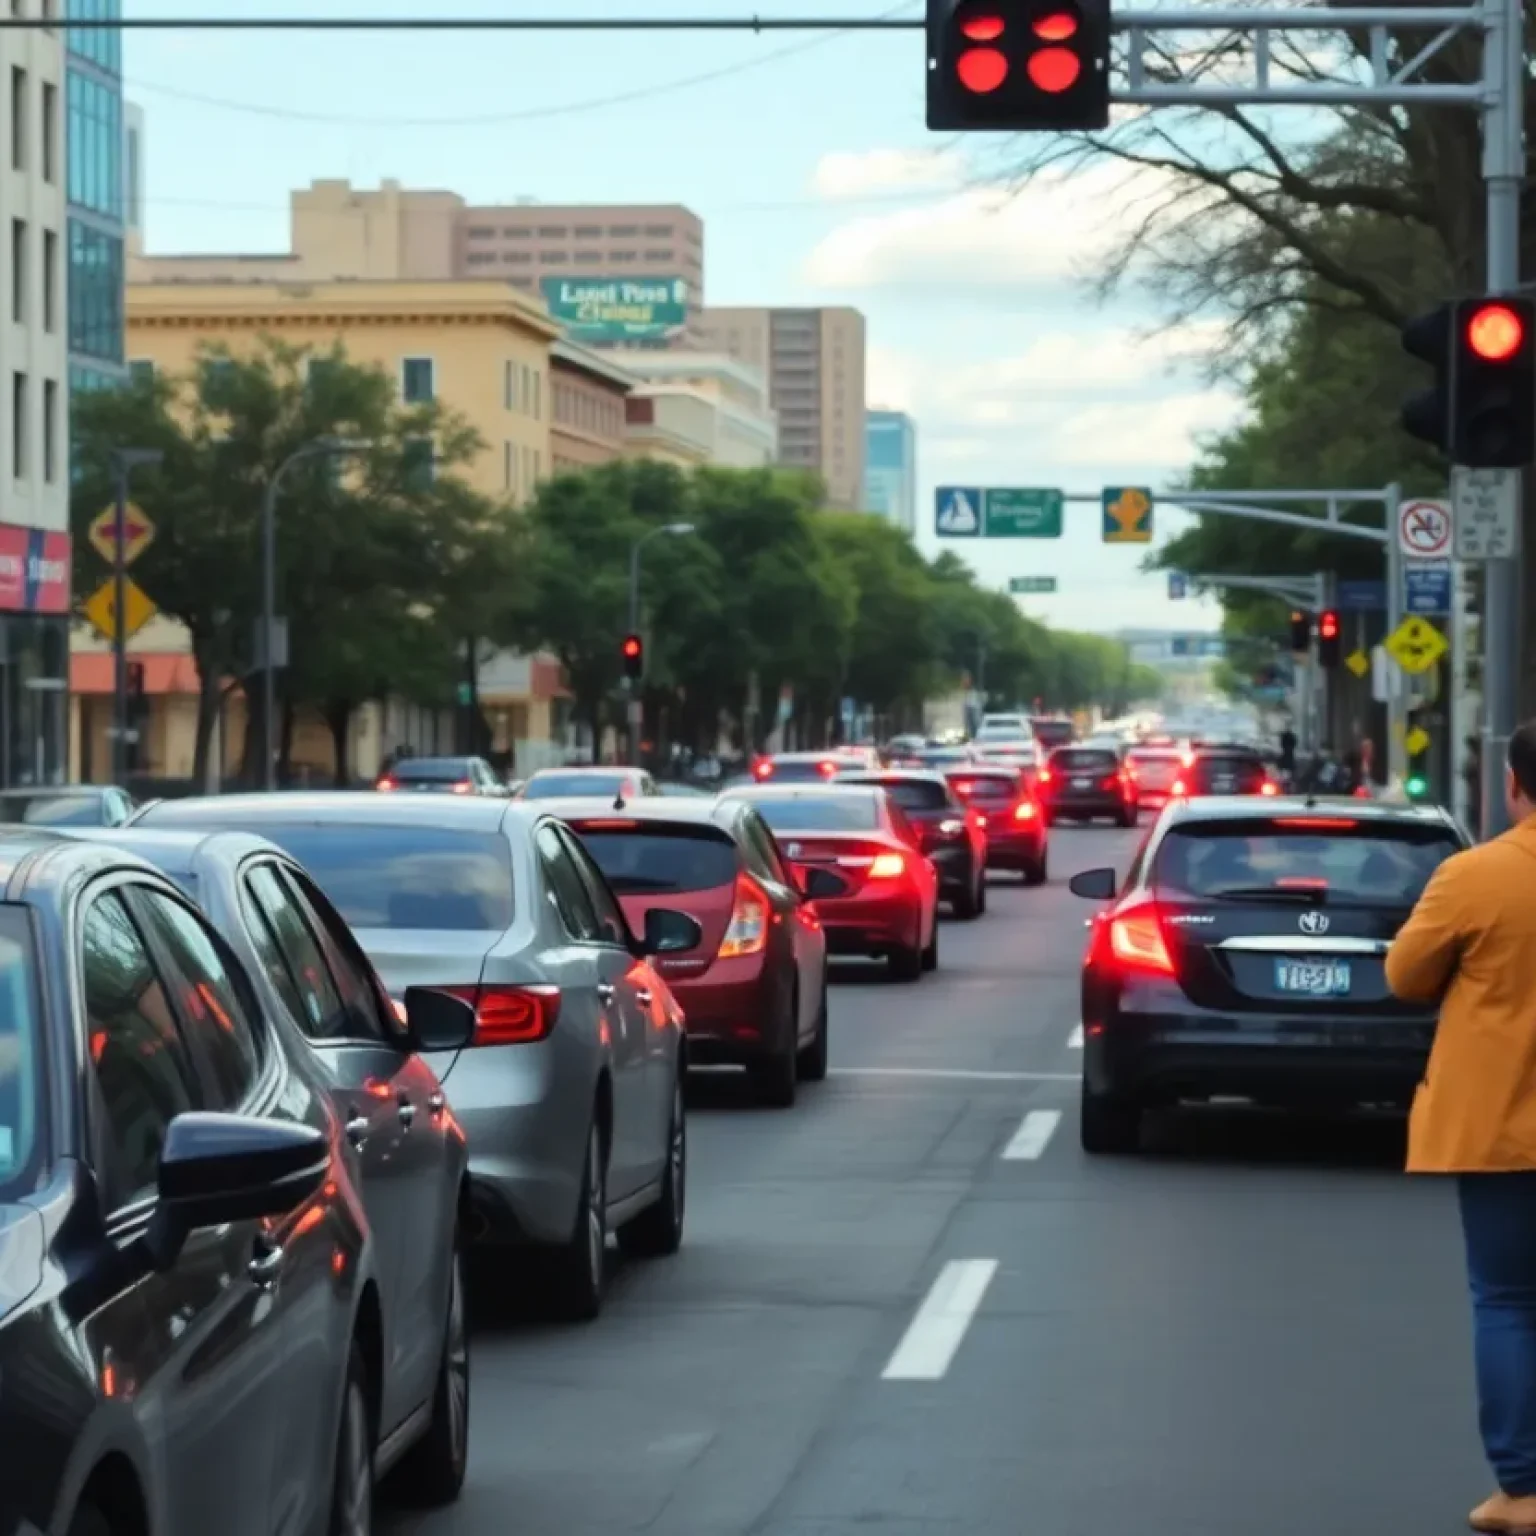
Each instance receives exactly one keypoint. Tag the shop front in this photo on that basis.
(34, 655)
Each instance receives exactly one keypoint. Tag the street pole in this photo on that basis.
(124, 462)
(635, 711)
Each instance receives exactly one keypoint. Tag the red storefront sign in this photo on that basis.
(34, 570)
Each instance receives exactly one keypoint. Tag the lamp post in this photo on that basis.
(636, 711)
(124, 462)
(320, 448)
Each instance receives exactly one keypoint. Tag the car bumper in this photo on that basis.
(1016, 850)
(872, 925)
(1105, 804)
(733, 1012)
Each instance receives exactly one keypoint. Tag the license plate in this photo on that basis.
(1221, 783)
(1082, 783)
(1326, 978)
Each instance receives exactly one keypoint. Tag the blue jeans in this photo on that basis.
(1498, 1220)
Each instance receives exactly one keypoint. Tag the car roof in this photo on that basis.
(175, 850)
(684, 811)
(828, 754)
(610, 770)
(874, 777)
(1211, 808)
(54, 791)
(333, 808)
(56, 851)
(798, 791)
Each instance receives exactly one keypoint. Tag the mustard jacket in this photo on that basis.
(1470, 945)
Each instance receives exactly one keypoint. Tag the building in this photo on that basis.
(615, 276)
(35, 595)
(890, 468)
(814, 360)
(133, 172)
(588, 391)
(739, 429)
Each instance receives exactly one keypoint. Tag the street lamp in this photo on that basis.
(124, 461)
(320, 448)
(636, 703)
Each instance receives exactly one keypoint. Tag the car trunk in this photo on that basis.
(992, 797)
(1226, 774)
(1158, 774)
(850, 855)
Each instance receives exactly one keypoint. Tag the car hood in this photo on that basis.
(21, 1255)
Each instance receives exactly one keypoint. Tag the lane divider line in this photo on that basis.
(1033, 1136)
(1075, 1039)
(939, 1326)
(946, 1074)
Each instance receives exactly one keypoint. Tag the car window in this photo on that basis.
(637, 859)
(142, 1065)
(806, 813)
(900, 825)
(611, 926)
(575, 786)
(1085, 760)
(567, 894)
(431, 770)
(46, 810)
(361, 995)
(916, 794)
(270, 955)
(319, 1010)
(214, 1008)
(21, 1075)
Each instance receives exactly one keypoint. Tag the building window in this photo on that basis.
(509, 386)
(525, 394)
(50, 430)
(589, 258)
(419, 463)
(553, 232)
(623, 231)
(659, 256)
(141, 370)
(95, 141)
(480, 259)
(50, 281)
(19, 425)
(101, 46)
(481, 232)
(18, 118)
(18, 270)
(95, 293)
(553, 258)
(589, 231)
(50, 132)
(517, 258)
(417, 384)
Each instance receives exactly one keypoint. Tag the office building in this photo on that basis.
(35, 595)
(133, 171)
(890, 468)
(814, 360)
(719, 404)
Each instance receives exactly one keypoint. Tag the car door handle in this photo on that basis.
(604, 992)
(357, 1130)
(643, 997)
(265, 1266)
(407, 1114)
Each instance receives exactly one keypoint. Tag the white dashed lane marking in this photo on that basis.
(938, 1329)
(1033, 1136)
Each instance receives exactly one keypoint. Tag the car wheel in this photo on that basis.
(658, 1230)
(352, 1479)
(1035, 873)
(930, 961)
(432, 1472)
(577, 1270)
(1110, 1127)
(905, 964)
(967, 904)
(774, 1080)
(811, 1065)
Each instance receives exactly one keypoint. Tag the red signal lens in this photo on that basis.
(1054, 70)
(982, 70)
(1055, 26)
(985, 28)
(1495, 333)
(1328, 626)
(631, 647)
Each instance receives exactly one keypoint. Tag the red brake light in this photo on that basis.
(762, 768)
(1301, 883)
(1269, 787)
(1045, 775)
(386, 784)
(607, 825)
(827, 770)
(747, 932)
(1136, 941)
(511, 1015)
(964, 786)
(1178, 788)
(1318, 823)
(1024, 811)
(888, 866)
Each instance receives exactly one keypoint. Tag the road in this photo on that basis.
(912, 1305)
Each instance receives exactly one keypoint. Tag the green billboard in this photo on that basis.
(604, 311)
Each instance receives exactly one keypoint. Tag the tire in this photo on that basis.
(930, 960)
(575, 1272)
(905, 964)
(969, 904)
(1037, 873)
(981, 894)
(811, 1064)
(774, 1081)
(352, 1476)
(432, 1472)
(89, 1521)
(657, 1232)
(1109, 1127)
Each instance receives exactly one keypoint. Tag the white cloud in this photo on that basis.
(892, 379)
(847, 174)
(1161, 432)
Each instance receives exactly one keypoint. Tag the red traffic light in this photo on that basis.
(1054, 70)
(1495, 332)
(1328, 626)
(982, 27)
(982, 70)
(631, 646)
(1055, 26)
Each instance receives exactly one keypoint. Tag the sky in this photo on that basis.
(807, 157)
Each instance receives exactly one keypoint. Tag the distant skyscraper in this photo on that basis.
(890, 468)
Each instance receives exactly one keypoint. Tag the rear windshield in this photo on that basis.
(382, 876)
(845, 813)
(688, 859)
(578, 786)
(1054, 733)
(1350, 862)
(1082, 760)
(430, 770)
(52, 810)
(1211, 767)
(21, 1070)
(993, 786)
(914, 794)
(1156, 755)
(804, 773)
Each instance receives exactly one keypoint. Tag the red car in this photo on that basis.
(1010, 816)
(891, 906)
(754, 993)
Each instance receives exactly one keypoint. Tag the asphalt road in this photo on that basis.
(911, 1305)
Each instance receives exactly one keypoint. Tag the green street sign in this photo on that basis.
(1127, 514)
(1023, 585)
(1011, 513)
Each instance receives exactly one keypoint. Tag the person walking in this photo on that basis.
(1470, 946)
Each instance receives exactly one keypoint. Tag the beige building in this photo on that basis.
(588, 391)
(740, 430)
(814, 360)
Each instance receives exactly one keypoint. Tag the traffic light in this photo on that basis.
(633, 651)
(1417, 786)
(1301, 632)
(1017, 66)
(1494, 378)
(1328, 639)
(1427, 415)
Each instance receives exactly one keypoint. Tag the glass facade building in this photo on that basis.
(890, 468)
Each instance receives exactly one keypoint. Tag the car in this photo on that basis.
(66, 805)
(314, 981)
(188, 1285)
(1224, 771)
(754, 992)
(1243, 956)
(812, 767)
(442, 776)
(943, 758)
(1050, 732)
(1014, 824)
(953, 836)
(571, 1092)
(891, 907)
(1156, 769)
(580, 781)
(1085, 783)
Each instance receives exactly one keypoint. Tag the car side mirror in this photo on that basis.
(823, 885)
(437, 1020)
(670, 933)
(215, 1169)
(1094, 884)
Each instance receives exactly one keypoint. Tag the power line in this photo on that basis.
(755, 24)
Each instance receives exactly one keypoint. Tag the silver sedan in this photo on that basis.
(571, 1093)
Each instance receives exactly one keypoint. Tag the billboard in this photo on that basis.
(603, 311)
(34, 570)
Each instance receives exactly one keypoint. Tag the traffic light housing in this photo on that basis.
(1301, 632)
(633, 652)
(1328, 639)
(1017, 66)
(1427, 415)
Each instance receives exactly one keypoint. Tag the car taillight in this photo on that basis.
(1045, 776)
(463, 787)
(762, 769)
(747, 932)
(1025, 811)
(1318, 823)
(1269, 787)
(1114, 781)
(964, 787)
(888, 866)
(386, 784)
(1136, 942)
(511, 1015)
(827, 770)
(1178, 788)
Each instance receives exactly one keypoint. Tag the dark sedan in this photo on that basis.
(443, 776)
(1086, 784)
(189, 1292)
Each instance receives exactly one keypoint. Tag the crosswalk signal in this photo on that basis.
(1328, 639)
(1494, 384)
(633, 651)
(1017, 66)
(1301, 632)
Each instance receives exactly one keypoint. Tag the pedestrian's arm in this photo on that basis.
(1424, 954)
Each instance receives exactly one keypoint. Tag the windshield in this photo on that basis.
(1054, 733)
(803, 813)
(53, 810)
(382, 876)
(430, 770)
(21, 1070)
(1337, 859)
(665, 862)
(575, 786)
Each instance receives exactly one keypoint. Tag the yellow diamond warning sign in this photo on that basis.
(1416, 645)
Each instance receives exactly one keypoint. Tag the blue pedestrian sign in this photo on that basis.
(957, 512)
(1178, 586)
(1427, 587)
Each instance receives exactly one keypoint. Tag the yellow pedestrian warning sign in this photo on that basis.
(1416, 645)
(101, 609)
(1417, 740)
(1358, 662)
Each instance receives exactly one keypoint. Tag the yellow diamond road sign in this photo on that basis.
(138, 534)
(101, 609)
(1358, 663)
(1416, 645)
(1416, 740)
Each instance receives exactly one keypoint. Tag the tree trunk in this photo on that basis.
(210, 696)
(338, 716)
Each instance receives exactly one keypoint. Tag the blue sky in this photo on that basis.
(807, 157)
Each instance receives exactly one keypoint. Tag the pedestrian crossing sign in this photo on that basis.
(957, 512)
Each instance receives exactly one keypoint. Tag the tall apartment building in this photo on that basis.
(890, 469)
(814, 360)
(34, 397)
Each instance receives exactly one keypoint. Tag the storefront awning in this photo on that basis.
(90, 672)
